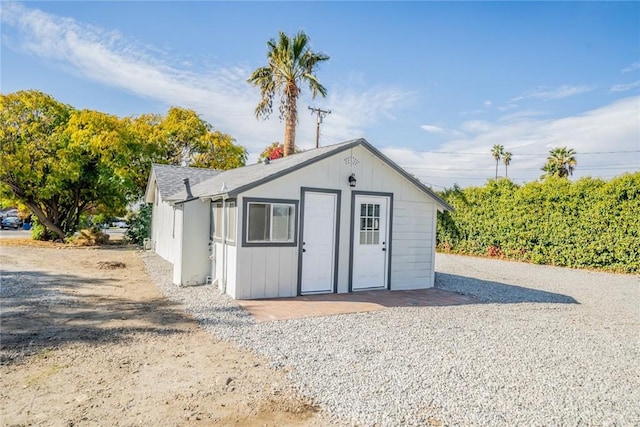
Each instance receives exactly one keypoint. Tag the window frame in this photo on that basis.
(217, 212)
(231, 212)
(246, 201)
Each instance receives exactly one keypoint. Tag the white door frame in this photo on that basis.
(336, 239)
(355, 226)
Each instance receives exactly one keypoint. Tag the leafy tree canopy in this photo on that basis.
(61, 162)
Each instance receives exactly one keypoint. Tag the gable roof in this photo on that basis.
(232, 182)
(170, 179)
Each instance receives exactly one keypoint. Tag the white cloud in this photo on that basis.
(467, 160)
(487, 103)
(432, 129)
(557, 93)
(625, 87)
(520, 115)
(220, 94)
(476, 126)
(507, 107)
(634, 66)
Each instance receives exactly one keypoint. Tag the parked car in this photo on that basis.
(11, 222)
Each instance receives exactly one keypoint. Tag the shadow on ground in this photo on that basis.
(40, 310)
(487, 291)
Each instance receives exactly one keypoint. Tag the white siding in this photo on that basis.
(226, 254)
(177, 244)
(183, 245)
(195, 240)
(265, 272)
(162, 229)
(411, 256)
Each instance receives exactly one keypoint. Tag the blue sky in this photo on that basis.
(434, 85)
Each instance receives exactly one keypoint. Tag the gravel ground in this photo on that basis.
(547, 346)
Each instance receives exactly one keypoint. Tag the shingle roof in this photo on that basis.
(234, 181)
(170, 179)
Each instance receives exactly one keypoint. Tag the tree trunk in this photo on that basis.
(290, 128)
(44, 220)
(496, 168)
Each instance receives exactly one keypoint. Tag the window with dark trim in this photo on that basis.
(230, 232)
(216, 221)
(270, 222)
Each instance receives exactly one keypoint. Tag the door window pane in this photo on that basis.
(369, 224)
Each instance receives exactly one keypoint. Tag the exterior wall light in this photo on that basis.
(352, 180)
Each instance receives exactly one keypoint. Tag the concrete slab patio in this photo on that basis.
(264, 310)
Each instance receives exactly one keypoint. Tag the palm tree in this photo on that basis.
(561, 162)
(290, 64)
(506, 159)
(497, 151)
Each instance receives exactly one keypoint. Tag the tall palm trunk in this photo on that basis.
(290, 128)
(291, 63)
(497, 168)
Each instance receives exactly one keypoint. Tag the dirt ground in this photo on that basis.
(87, 339)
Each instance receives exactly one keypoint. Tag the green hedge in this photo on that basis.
(587, 223)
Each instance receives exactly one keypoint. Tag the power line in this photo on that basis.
(630, 166)
(524, 154)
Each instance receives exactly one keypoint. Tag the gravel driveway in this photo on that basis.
(547, 346)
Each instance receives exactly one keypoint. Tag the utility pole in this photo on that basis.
(320, 114)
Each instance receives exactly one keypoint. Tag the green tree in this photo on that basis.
(216, 150)
(497, 151)
(561, 162)
(62, 162)
(139, 224)
(506, 159)
(181, 131)
(291, 63)
(185, 139)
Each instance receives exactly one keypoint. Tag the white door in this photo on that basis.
(318, 242)
(370, 242)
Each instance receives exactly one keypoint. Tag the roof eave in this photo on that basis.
(236, 191)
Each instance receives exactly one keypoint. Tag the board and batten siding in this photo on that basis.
(270, 271)
(267, 272)
(195, 265)
(177, 244)
(412, 257)
(225, 279)
(163, 230)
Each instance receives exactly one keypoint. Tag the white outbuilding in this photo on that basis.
(335, 219)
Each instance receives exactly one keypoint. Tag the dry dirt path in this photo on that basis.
(88, 341)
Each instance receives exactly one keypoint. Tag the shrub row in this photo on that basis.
(589, 223)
